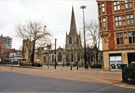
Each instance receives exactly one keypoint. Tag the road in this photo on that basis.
(14, 82)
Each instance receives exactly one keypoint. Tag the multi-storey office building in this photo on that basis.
(6, 42)
(0, 48)
(117, 29)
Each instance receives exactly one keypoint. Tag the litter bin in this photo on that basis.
(124, 79)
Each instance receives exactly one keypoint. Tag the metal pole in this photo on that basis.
(55, 53)
(84, 7)
(48, 61)
(77, 64)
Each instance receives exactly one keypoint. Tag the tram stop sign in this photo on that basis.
(62, 58)
(48, 56)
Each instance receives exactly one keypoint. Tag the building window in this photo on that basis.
(72, 57)
(103, 7)
(131, 36)
(130, 19)
(99, 8)
(116, 5)
(128, 3)
(78, 56)
(100, 23)
(119, 37)
(77, 41)
(70, 40)
(118, 21)
(59, 56)
(67, 57)
(104, 23)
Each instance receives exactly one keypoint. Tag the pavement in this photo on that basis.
(90, 75)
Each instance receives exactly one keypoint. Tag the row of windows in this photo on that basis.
(71, 42)
(117, 5)
(118, 20)
(131, 38)
(71, 57)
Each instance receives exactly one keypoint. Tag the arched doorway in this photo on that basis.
(59, 56)
(67, 57)
(78, 56)
(72, 57)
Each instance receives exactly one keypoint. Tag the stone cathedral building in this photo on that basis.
(73, 44)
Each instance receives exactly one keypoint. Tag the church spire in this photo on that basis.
(73, 23)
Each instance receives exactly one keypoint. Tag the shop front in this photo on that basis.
(115, 61)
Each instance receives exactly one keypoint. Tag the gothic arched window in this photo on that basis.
(67, 57)
(70, 40)
(72, 57)
(78, 56)
(77, 40)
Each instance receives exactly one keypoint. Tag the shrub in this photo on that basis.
(96, 66)
(31, 64)
(67, 64)
(25, 64)
(130, 71)
(75, 64)
(3, 62)
(37, 65)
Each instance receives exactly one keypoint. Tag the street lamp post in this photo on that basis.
(84, 7)
(49, 52)
(55, 52)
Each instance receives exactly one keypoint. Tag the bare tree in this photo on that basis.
(94, 37)
(36, 33)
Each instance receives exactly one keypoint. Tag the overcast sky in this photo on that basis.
(56, 14)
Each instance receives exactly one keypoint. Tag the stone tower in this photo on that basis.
(73, 42)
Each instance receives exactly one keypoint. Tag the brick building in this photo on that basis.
(117, 29)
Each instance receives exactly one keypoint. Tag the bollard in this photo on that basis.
(86, 67)
(77, 67)
(70, 67)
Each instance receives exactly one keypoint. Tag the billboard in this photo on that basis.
(115, 61)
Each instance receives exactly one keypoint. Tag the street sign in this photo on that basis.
(48, 57)
(62, 58)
